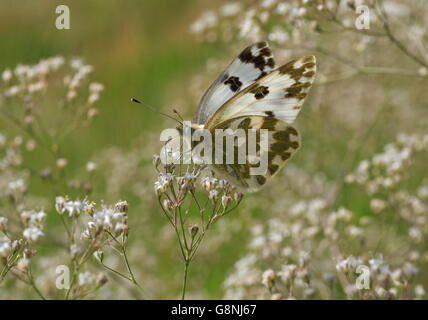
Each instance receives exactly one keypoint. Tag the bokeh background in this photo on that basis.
(368, 91)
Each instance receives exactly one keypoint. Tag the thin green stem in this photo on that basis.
(186, 270)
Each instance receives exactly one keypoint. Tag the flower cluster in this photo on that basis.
(178, 194)
(25, 95)
(384, 171)
(288, 255)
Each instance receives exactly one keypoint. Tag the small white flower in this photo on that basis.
(23, 264)
(415, 234)
(91, 166)
(60, 204)
(410, 269)
(419, 291)
(74, 207)
(93, 97)
(96, 87)
(86, 279)
(6, 75)
(377, 205)
(36, 87)
(74, 250)
(32, 233)
(4, 248)
(268, 277)
(76, 63)
(12, 91)
(3, 223)
(350, 263)
(230, 9)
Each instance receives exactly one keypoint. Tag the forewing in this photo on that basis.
(251, 64)
(279, 94)
(282, 142)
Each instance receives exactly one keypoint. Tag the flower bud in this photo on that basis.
(122, 206)
(238, 196)
(225, 200)
(61, 163)
(193, 230)
(99, 255)
(3, 223)
(101, 279)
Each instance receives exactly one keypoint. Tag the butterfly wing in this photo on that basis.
(253, 62)
(281, 143)
(279, 94)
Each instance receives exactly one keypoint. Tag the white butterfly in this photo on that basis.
(252, 94)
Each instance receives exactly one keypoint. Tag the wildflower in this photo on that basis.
(61, 163)
(350, 290)
(209, 183)
(3, 223)
(17, 186)
(93, 97)
(60, 205)
(99, 255)
(193, 230)
(304, 258)
(419, 291)
(36, 87)
(376, 262)
(187, 182)
(213, 195)
(230, 9)
(121, 206)
(287, 272)
(101, 279)
(96, 87)
(73, 207)
(276, 296)
(238, 196)
(23, 264)
(377, 205)
(121, 228)
(410, 270)
(86, 279)
(4, 248)
(74, 250)
(278, 35)
(350, 263)
(355, 232)
(6, 75)
(91, 166)
(163, 182)
(71, 95)
(11, 92)
(267, 3)
(415, 234)
(76, 63)
(226, 200)
(32, 233)
(268, 277)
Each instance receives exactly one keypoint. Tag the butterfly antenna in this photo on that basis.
(154, 110)
(176, 112)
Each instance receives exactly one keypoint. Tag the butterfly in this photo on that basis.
(253, 94)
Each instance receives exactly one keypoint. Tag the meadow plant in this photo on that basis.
(192, 202)
(26, 99)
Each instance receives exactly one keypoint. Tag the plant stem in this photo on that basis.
(129, 269)
(186, 269)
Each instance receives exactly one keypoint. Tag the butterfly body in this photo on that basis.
(252, 95)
